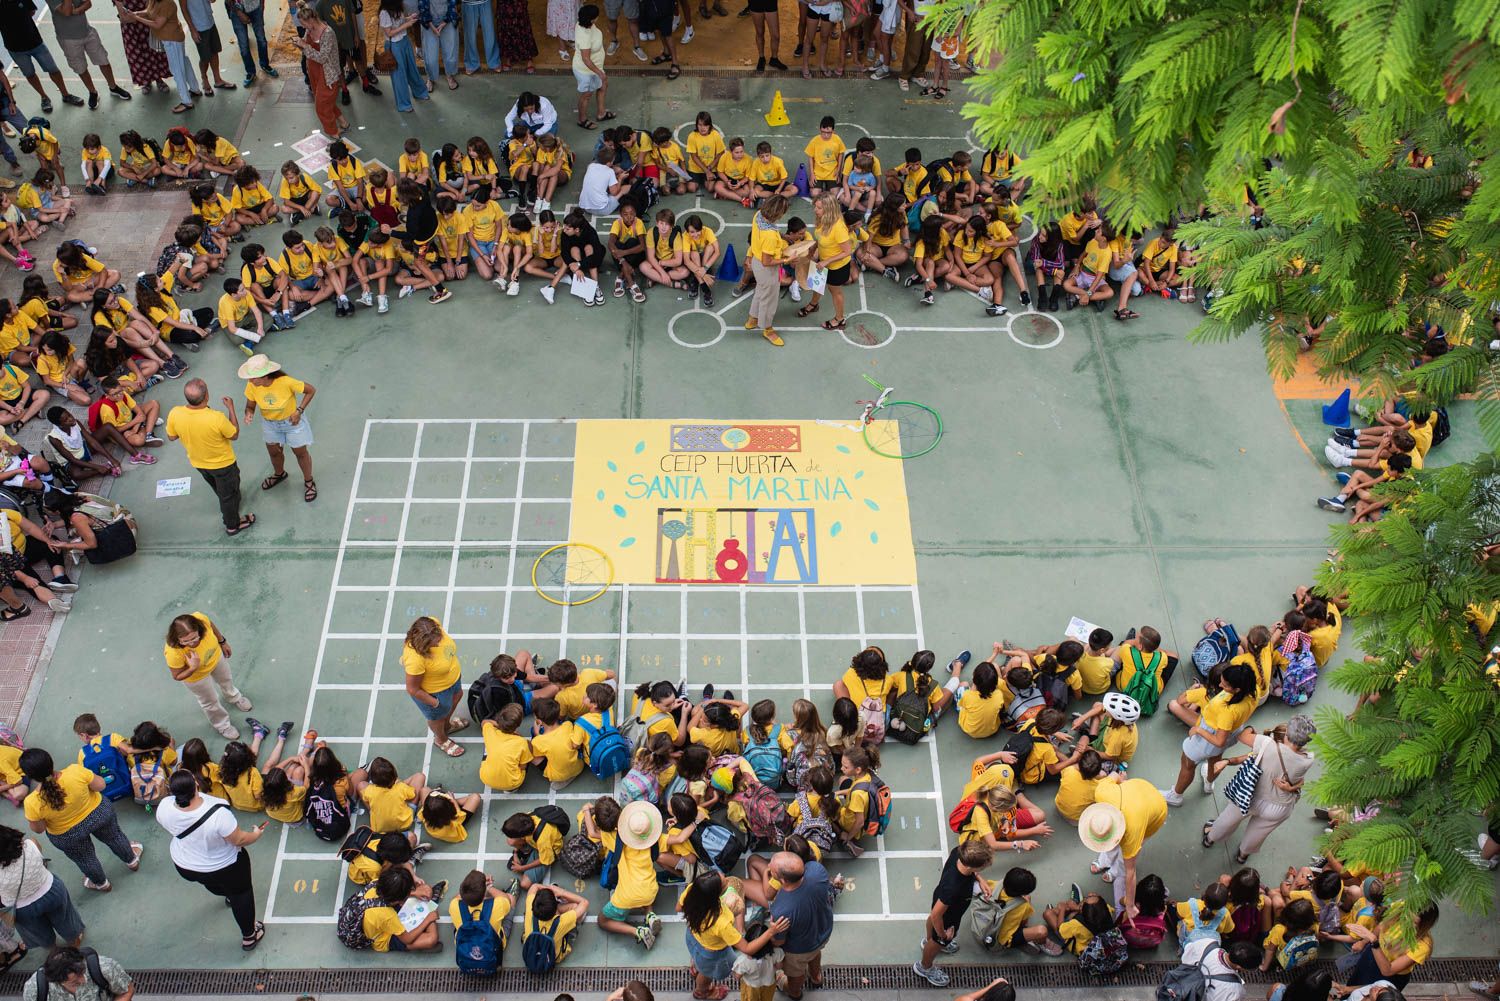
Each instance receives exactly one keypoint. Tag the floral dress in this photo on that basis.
(147, 63)
(513, 26)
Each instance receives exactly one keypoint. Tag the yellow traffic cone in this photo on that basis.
(777, 114)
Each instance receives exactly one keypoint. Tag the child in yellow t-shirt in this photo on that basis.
(382, 923)
(444, 813)
(1077, 922)
(285, 790)
(556, 913)
(555, 744)
(97, 165)
(824, 152)
(535, 839)
(572, 683)
(389, 798)
(506, 753)
(244, 783)
(468, 904)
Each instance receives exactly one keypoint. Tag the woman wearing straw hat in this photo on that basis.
(637, 828)
(1284, 764)
(282, 424)
(1125, 812)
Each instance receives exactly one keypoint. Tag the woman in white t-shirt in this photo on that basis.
(588, 67)
(208, 847)
(44, 912)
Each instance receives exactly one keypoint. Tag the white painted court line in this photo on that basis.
(517, 550)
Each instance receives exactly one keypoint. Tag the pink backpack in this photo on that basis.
(1146, 932)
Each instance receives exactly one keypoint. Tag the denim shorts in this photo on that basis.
(1198, 750)
(41, 54)
(715, 964)
(587, 82)
(298, 435)
(306, 284)
(486, 247)
(446, 700)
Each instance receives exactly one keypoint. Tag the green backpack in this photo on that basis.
(1142, 685)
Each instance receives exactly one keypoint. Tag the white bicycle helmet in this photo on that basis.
(1122, 708)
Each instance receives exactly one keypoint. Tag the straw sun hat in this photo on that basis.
(640, 825)
(1101, 826)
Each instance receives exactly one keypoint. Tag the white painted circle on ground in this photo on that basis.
(722, 222)
(1022, 233)
(1030, 318)
(861, 329)
(711, 318)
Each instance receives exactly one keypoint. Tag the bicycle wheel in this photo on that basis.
(574, 573)
(903, 430)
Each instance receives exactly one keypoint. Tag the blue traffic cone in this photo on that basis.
(729, 267)
(1337, 412)
(801, 180)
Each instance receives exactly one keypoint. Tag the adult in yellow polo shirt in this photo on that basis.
(434, 680)
(1125, 813)
(68, 807)
(196, 652)
(208, 437)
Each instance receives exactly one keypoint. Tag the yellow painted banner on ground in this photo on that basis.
(740, 502)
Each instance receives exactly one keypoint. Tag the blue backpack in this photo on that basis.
(914, 213)
(476, 944)
(766, 759)
(539, 950)
(105, 761)
(609, 870)
(609, 751)
(1214, 649)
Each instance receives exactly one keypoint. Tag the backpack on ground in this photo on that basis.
(1214, 649)
(765, 813)
(799, 762)
(1246, 918)
(1106, 954)
(813, 826)
(1300, 677)
(580, 856)
(609, 751)
(351, 919)
(539, 949)
(488, 695)
(1146, 932)
(1142, 685)
(476, 944)
(638, 785)
(326, 814)
(718, 846)
(911, 716)
(766, 759)
(871, 716)
(878, 813)
(986, 915)
(101, 757)
(1189, 981)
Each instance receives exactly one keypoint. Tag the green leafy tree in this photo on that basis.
(1429, 749)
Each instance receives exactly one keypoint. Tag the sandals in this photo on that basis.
(715, 993)
(808, 310)
(275, 479)
(674, 72)
(309, 490)
(12, 958)
(245, 524)
(1126, 314)
(588, 123)
(458, 725)
(663, 58)
(9, 614)
(837, 323)
(451, 748)
(608, 116)
(637, 294)
(1206, 828)
(1103, 874)
(250, 943)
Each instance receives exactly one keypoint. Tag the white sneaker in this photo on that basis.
(228, 731)
(676, 21)
(406, 290)
(499, 282)
(549, 293)
(241, 703)
(987, 294)
(366, 300)
(687, 36)
(1203, 776)
(932, 974)
(795, 292)
(612, 48)
(542, 205)
(880, 72)
(1337, 460)
(384, 304)
(639, 53)
(514, 288)
(1172, 797)
(648, 36)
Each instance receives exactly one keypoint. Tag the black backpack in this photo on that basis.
(328, 818)
(911, 719)
(1441, 428)
(1189, 981)
(91, 960)
(1054, 686)
(553, 816)
(488, 695)
(1020, 744)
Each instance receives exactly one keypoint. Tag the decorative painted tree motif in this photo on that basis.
(673, 530)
